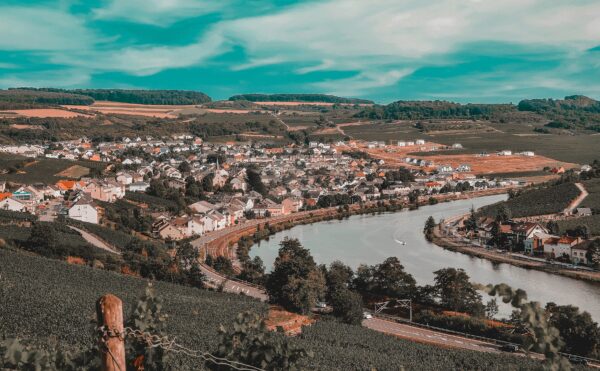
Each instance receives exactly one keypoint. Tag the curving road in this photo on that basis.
(94, 241)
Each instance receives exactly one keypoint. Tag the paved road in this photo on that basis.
(235, 287)
(428, 336)
(95, 241)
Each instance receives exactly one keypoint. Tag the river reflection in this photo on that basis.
(370, 239)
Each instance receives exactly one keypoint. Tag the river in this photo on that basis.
(370, 239)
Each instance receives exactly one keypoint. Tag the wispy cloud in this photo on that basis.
(157, 12)
(42, 29)
(362, 82)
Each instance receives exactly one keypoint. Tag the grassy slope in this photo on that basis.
(43, 298)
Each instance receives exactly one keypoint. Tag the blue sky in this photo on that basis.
(385, 50)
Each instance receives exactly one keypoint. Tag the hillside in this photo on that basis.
(165, 97)
(24, 98)
(537, 201)
(312, 98)
(414, 110)
(573, 111)
(44, 298)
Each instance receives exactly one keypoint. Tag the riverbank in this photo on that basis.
(453, 244)
(223, 242)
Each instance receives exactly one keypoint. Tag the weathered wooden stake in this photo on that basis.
(109, 311)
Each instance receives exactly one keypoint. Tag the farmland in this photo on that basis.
(517, 137)
(27, 171)
(63, 306)
(537, 201)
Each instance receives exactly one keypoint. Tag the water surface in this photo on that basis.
(370, 239)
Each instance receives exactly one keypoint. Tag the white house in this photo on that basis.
(12, 204)
(138, 187)
(84, 210)
(419, 142)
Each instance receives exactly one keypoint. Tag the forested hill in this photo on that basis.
(21, 98)
(573, 111)
(312, 98)
(175, 97)
(414, 110)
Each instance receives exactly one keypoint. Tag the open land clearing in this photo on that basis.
(43, 113)
(75, 171)
(490, 164)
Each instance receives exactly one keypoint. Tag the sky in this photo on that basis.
(384, 50)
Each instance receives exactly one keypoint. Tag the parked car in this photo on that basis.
(512, 348)
(578, 360)
(367, 315)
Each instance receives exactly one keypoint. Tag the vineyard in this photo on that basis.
(538, 201)
(593, 199)
(592, 222)
(44, 299)
(345, 347)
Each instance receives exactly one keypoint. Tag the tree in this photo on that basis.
(429, 228)
(184, 167)
(43, 239)
(579, 332)
(503, 214)
(223, 264)
(253, 270)
(296, 283)
(471, 222)
(347, 305)
(455, 292)
(338, 277)
(593, 253)
(491, 308)
(255, 181)
(390, 279)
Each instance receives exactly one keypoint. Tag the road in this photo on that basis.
(576, 202)
(235, 287)
(95, 241)
(427, 336)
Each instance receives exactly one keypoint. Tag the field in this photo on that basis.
(593, 199)
(539, 201)
(74, 172)
(580, 149)
(43, 113)
(47, 171)
(592, 222)
(51, 299)
(479, 164)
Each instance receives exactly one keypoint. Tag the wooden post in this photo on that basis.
(109, 311)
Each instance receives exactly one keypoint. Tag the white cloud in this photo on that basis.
(37, 28)
(260, 62)
(157, 12)
(43, 79)
(362, 82)
(144, 61)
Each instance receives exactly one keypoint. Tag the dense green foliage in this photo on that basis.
(295, 282)
(573, 111)
(175, 97)
(25, 98)
(414, 110)
(542, 200)
(319, 98)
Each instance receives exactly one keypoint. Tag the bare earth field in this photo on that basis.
(491, 164)
(45, 112)
(75, 171)
(160, 111)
